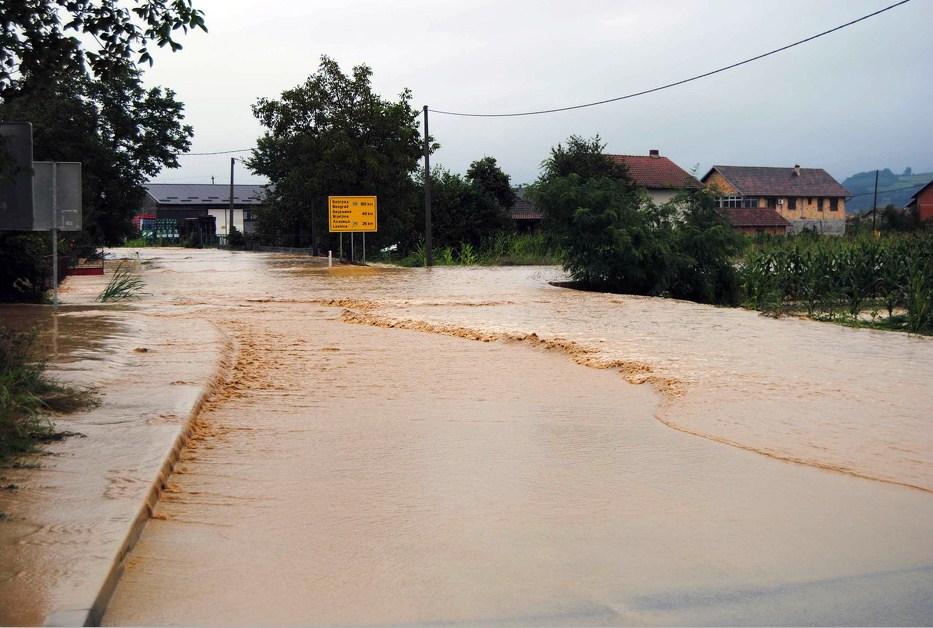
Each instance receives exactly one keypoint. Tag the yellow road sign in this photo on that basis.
(351, 213)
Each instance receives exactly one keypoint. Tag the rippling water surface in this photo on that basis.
(352, 473)
(369, 459)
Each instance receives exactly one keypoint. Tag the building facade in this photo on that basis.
(180, 201)
(807, 198)
(922, 203)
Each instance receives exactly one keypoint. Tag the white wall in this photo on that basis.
(222, 217)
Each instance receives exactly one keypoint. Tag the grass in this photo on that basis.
(28, 397)
(123, 285)
(501, 249)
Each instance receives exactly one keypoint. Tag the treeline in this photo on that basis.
(890, 278)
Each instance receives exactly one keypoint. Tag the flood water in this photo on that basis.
(371, 460)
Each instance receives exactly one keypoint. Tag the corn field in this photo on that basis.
(890, 278)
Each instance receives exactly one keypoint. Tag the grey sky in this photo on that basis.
(851, 101)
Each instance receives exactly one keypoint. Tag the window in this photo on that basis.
(833, 204)
(772, 202)
(791, 202)
(819, 204)
(729, 201)
(750, 201)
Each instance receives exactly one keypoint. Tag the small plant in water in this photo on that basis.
(123, 285)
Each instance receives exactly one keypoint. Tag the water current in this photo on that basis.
(471, 445)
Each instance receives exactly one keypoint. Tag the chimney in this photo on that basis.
(796, 170)
(654, 152)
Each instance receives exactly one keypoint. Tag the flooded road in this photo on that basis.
(367, 461)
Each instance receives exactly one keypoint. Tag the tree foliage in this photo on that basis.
(332, 135)
(613, 237)
(71, 68)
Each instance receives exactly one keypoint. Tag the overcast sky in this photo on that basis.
(854, 100)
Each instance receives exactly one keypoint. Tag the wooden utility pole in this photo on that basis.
(874, 204)
(230, 223)
(428, 246)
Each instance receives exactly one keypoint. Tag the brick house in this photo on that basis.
(807, 198)
(660, 177)
(922, 202)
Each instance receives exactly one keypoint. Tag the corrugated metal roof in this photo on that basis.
(654, 172)
(205, 193)
(768, 181)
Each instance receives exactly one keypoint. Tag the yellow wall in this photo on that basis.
(805, 209)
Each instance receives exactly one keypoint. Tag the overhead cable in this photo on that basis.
(669, 85)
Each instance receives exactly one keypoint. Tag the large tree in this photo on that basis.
(73, 69)
(332, 135)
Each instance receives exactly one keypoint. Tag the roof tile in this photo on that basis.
(656, 172)
(768, 181)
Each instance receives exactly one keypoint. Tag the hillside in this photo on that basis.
(893, 189)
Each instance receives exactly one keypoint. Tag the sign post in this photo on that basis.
(56, 197)
(352, 214)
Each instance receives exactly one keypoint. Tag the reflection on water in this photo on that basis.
(352, 474)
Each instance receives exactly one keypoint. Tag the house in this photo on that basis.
(922, 203)
(524, 214)
(660, 177)
(808, 198)
(193, 200)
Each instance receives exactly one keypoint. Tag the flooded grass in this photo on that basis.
(28, 397)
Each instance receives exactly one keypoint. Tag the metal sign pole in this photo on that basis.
(54, 234)
(341, 247)
(364, 247)
(351, 247)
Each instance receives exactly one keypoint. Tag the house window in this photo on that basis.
(750, 201)
(730, 201)
(819, 204)
(833, 204)
(791, 202)
(772, 202)
(811, 199)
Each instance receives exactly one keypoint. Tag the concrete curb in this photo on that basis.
(93, 613)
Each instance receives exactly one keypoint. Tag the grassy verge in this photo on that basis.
(501, 249)
(28, 397)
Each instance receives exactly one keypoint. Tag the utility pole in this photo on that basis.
(230, 223)
(874, 204)
(55, 234)
(428, 253)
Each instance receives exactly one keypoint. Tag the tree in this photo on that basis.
(614, 238)
(467, 210)
(83, 92)
(486, 174)
(332, 135)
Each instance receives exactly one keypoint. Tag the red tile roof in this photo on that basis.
(524, 209)
(752, 217)
(656, 172)
(765, 181)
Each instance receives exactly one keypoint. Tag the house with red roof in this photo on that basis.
(922, 202)
(805, 198)
(660, 177)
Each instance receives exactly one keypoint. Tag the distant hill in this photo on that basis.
(893, 189)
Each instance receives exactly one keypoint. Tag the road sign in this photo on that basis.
(16, 176)
(64, 177)
(351, 213)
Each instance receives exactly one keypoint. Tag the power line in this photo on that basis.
(900, 189)
(676, 83)
(216, 152)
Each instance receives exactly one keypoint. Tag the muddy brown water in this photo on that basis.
(470, 445)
